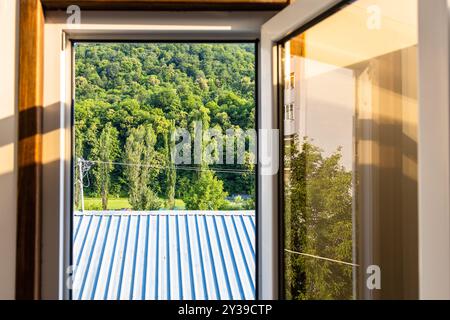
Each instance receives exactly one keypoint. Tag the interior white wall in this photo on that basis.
(434, 150)
(8, 144)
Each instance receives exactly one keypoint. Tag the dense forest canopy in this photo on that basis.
(127, 90)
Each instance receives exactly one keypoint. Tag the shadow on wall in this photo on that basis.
(9, 34)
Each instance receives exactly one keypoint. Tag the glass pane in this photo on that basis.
(164, 175)
(349, 87)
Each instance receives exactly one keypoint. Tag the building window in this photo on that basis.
(289, 112)
(292, 80)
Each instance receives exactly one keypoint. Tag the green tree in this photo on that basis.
(141, 168)
(318, 221)
(105, 152)
(171, 172)
(250, 179)
(206, 193)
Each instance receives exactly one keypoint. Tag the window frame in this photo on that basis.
(433, 157)
(56, 252)
(28, 278)
(79, 39)
(293, 18)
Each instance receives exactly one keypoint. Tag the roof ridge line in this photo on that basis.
(167, 213)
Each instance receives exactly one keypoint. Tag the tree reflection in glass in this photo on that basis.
(318, 224)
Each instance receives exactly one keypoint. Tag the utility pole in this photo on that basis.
(80, 168)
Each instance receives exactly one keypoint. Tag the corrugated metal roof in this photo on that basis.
(164, 255)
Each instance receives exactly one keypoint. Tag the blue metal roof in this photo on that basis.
(164, 255)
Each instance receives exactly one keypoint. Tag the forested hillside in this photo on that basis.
(129, 97)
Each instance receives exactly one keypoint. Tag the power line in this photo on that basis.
(321, 258)
(219, 170)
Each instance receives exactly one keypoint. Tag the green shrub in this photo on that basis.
(206, 193)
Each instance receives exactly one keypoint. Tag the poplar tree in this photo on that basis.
(105, 152)
(141, 168)
(206, 192)
(171, 172)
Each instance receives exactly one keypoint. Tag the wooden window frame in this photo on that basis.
(31, 89)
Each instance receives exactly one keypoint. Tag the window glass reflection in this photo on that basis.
(349, 87)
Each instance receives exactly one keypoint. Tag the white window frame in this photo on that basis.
(433, 142)
(284, 23)
(58, 73)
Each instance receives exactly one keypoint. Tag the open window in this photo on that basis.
(349, 183)
(348, 205)
(164, 186)
(349, 209)
(160, 149)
